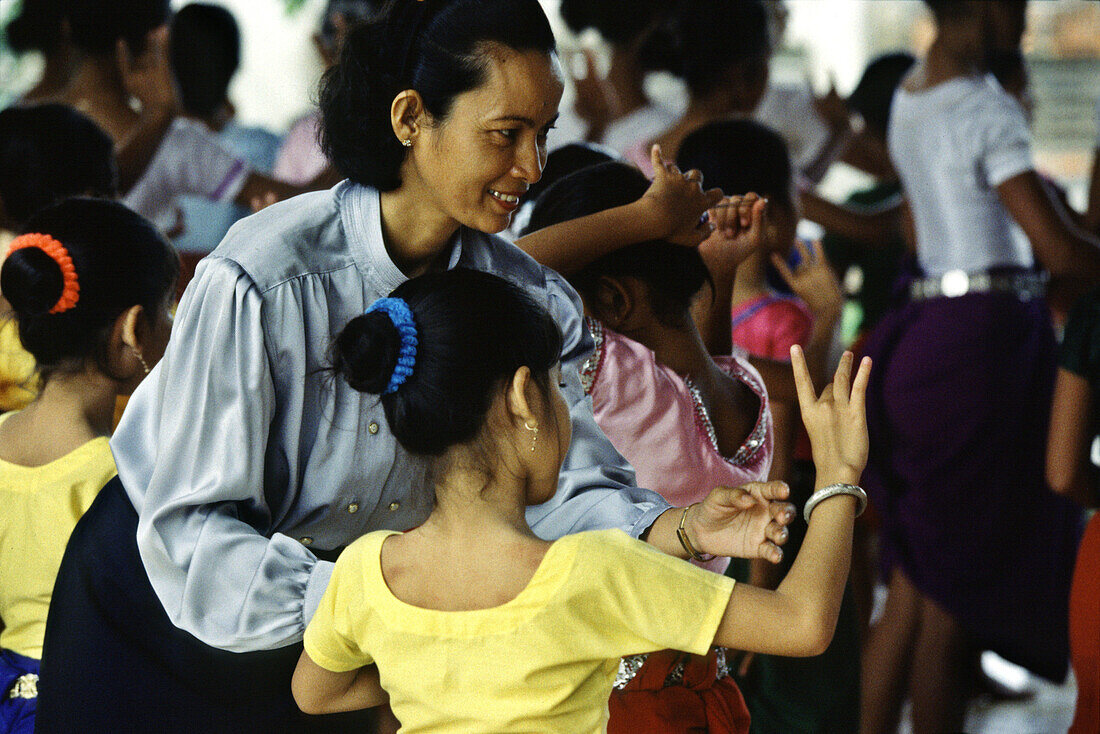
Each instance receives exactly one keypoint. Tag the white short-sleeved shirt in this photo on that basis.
(190, 160)
(953, 145)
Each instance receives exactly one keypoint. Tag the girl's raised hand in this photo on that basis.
(739, 231)
(743, 522)
(836, 420)
(813, 280)
(677, 202)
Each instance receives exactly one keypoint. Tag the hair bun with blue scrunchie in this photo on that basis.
(376, 352)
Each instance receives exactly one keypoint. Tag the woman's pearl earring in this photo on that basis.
(407, 142)
(534, 432)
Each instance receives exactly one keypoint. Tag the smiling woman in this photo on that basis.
(242, 467)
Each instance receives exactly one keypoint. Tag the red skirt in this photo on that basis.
(1084, 631)
(703, 702)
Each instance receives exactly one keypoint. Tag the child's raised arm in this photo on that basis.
(814, 282)
(799, 618)
(672, 209)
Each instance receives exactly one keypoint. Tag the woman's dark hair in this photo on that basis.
(440, 48)
(711, 37)
(474, 330)
(672, 274)
(37, 27)
(205, 51)
(98, 24)
(120, 260)
(874, 95)
(48, 153)
(739, 156)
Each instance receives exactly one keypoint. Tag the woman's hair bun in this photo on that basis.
(366, 352)
(32, 281)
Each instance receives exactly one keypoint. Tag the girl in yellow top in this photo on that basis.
(89, 287)
(470, 622)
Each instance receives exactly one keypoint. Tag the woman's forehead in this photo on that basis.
(522, 86)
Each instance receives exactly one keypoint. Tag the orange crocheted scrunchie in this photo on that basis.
(70, 291)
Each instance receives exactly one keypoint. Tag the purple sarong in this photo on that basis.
(958, 409)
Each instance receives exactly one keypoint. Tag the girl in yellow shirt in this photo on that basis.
(471, 622)
(89, 287)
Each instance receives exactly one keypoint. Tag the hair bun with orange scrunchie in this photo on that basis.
(70, 284)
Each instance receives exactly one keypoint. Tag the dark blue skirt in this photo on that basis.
(958, 409)
(114, 662)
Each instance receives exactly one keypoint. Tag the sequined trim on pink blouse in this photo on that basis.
(747, 453)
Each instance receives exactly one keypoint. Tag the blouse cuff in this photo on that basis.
(315, 589)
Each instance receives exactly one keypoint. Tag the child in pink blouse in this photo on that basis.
(687, 422)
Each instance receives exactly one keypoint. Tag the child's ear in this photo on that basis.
(614, 302)
(124, 346)
(518, 400)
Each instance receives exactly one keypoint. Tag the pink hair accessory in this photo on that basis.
(70, 291)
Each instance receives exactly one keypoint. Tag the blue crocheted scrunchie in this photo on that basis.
(401, 316)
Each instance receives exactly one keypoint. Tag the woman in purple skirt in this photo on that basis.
(978, 552)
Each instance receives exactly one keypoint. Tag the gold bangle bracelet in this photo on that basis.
(686, 543)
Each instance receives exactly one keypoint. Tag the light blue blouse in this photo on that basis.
(240, 452)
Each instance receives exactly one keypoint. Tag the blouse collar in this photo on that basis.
(362, 215)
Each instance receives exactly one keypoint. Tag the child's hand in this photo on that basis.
(836, 420)
(739, 231)
(676, 203)
(813, 280)
(744, 522)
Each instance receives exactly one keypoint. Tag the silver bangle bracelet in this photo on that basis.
(832, 491)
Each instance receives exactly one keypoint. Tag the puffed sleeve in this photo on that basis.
(597, 487)
(190, 450)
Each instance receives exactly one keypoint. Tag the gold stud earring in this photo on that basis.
(534, 432)
(407, 142)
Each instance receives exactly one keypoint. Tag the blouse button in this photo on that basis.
(307, 541)
(373, 428)
(353, 508)
(394, 506)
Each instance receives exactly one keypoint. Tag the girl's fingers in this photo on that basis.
(858, 398)
(843, 380)
(776, 533)
(768, 491)
(803, 385)
(712, 197)
(818, 251)
(806, 257)
(771, 552)
(694, 175)
(657, 160)
(784, 269)
(782, 512)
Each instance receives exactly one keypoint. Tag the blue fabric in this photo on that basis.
(16, 714)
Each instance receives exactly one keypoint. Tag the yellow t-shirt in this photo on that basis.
(41, 505)
(545, 661)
